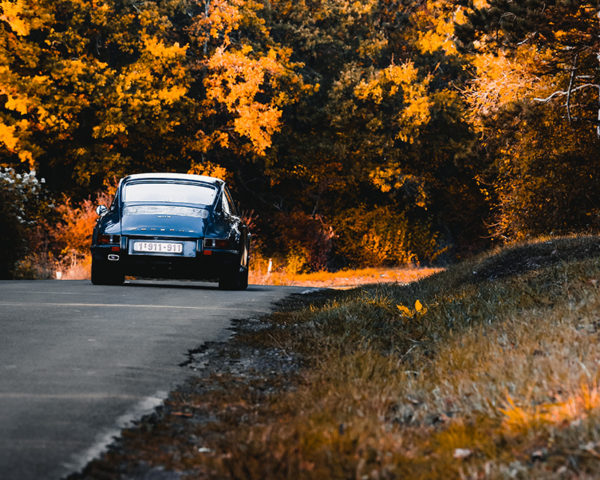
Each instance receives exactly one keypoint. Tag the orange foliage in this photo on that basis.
(73, 234)
(236, 80)
(209, 169)
(577, 406)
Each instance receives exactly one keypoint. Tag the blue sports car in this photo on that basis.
(168, 225)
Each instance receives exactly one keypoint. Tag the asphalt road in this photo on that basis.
(77, 361)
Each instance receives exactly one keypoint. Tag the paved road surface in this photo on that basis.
(78, 361)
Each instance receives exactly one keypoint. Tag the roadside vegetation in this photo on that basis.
(340, 279)
(380, 133)
(489, 369)
(61, 233)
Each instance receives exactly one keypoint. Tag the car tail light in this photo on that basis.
(216, 243)
(109, 239)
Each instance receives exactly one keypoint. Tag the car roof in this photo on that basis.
(174, 176)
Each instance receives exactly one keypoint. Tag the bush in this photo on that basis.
(547, 181)
(72, 235)
(382, 236)
(306, 245)
(21, 204)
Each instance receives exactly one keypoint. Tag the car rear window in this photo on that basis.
(197, 194)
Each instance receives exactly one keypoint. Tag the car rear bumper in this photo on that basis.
(203, 265)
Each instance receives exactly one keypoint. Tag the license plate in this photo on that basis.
(158, 247)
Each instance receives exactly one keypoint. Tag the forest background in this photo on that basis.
(379, 132)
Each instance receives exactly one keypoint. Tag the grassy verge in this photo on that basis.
(487, 370)
(342, 278)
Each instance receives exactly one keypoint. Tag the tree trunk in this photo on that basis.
(206, 11)
(598, 57)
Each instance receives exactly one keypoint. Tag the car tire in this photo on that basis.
(236, 278)
(105, 274)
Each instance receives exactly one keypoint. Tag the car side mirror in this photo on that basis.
(101, 210)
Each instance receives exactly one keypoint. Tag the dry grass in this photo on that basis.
(490, 369)
(343, 278)
(72, 268)
(495, 375)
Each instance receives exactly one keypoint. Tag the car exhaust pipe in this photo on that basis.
(113, 258)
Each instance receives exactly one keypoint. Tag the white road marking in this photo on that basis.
(126, 305)
(53, 292)
(105, 438)
(66, 396)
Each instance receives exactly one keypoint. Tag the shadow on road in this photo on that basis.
(185, 285)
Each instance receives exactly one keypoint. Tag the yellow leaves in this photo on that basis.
(27, 157)
(416, 113)
(393, 77)
(8, 137)
(362, 7)
(23, 15)
(503, 79)
(437, 26)
(439, 38)
(160, 50)
(19, 104)
(417, 311)
(108, 130)
(221, 18)
(157, 80)
(404, 74)
(418, 306)
(257, 122)
(75, 67)
(400, 80)
(392, 177)
(13, 13)
(385, 178)
(237, 79)
(172, 94)
(404, 311)
(209, 169)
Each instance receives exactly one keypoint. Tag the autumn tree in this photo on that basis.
(317, 111)
(562, 34)
(535, 101)
(91, 90)
(385, 127)
(116, 87)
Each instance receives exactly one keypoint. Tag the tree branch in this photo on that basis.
(561, 92)
(570, 90)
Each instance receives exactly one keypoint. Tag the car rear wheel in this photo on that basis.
(236, 277)
(106, 274)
